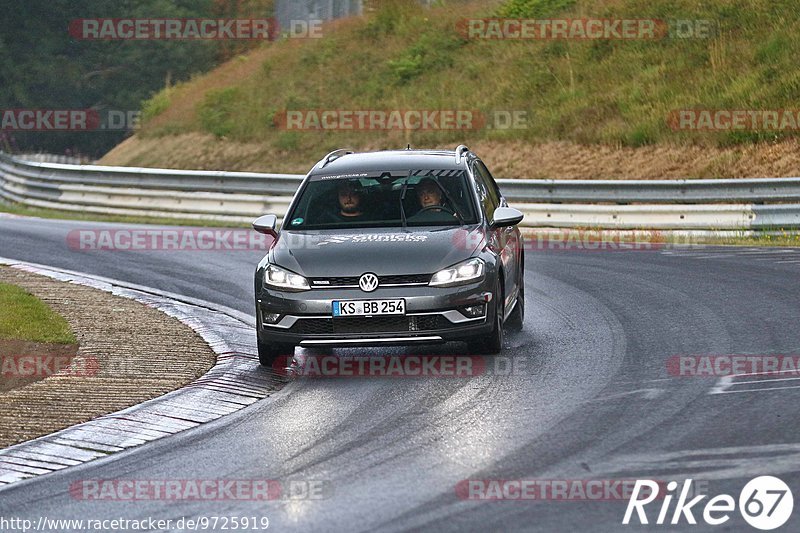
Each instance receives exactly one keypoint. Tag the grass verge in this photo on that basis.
(16, 209)
(787, 240)
(26, 318)
(617, 92)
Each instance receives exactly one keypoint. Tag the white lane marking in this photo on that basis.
(649, 394)
(765, 389)
(644, 381)
(768, 251)
(725, 383)
(727, 253)
(719, 256)
(721, 385)
(767, 380)
(705, 463)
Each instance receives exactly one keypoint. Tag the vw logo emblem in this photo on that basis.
(368, 282)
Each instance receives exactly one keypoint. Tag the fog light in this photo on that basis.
(474, 311)
(270, 318)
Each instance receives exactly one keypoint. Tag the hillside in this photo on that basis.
(594, 108)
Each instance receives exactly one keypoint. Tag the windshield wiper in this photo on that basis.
(402, 199)
(451, 202)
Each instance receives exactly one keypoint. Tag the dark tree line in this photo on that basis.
(43, 67)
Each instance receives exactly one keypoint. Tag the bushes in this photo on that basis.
(217, 111)
(533, 8)
(156, 105)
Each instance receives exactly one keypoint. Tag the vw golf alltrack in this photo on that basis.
(391, 248)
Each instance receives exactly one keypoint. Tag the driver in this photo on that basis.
(429, 196)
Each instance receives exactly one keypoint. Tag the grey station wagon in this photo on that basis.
(391, 248)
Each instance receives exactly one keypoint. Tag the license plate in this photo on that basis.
(369, 307)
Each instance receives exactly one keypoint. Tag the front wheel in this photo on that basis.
(517, 316)
(268, 353)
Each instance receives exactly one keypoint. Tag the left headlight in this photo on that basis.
(464, 272)
(280, 278)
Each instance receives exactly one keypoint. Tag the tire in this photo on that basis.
(492, 343)
(517, 316)
(269, 353)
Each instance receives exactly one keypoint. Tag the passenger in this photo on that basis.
(350, 203)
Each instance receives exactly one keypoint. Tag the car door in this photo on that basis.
(506, 240)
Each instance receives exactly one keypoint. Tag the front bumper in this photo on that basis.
(433, 315)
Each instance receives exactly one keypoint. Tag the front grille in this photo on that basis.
(334, 282)
(381, 324)
(415, 278)
(382, 280)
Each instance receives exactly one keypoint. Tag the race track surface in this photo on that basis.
(588, 395)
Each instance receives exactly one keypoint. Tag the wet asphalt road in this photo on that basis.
(584, 392)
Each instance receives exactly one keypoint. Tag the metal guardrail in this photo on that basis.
(55, 158)
(683, 191)
(242, 196)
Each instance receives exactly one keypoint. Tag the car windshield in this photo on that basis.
(388, 199)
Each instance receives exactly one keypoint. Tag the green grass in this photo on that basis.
(591, 92)
(785, 239)
(24, 317)
(156, 105)
(16, 209)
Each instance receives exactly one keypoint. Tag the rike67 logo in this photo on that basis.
(765, 503)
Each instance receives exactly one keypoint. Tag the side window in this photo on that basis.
(490, 196)
(494, 190)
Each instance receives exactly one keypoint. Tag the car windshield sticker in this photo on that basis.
(342, 176)
(297, 221)
(387, 237)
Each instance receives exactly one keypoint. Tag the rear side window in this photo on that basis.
(490, 194)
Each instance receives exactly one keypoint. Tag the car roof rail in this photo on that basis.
(333, 156)
(462, 149)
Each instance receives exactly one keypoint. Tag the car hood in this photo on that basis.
(390, 251)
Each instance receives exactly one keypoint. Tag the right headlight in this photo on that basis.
(464, 272)
(280, 278)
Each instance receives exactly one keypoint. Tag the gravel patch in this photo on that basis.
(128, 353)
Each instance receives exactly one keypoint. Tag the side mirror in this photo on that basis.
(506, 216)
(266, 225)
